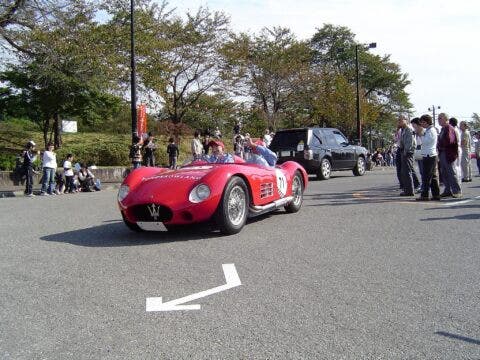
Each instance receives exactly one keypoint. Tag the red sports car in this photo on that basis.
(227, 193)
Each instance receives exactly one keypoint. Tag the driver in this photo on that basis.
(218, 155)
(266, 156)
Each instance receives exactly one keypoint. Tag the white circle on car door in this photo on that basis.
(281, 182)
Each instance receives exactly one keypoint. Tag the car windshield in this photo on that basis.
(288, 140)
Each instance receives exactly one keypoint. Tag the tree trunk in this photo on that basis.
(57, 128)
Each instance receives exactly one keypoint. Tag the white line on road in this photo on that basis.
(231, 276)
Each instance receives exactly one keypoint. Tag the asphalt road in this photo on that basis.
(358, 273)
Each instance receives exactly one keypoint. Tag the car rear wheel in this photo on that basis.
(297, 193)
(130, 225)
(232, 211)
(325, 170)
(360, 167)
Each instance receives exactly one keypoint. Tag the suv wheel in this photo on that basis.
(325, 170)
(359, 168)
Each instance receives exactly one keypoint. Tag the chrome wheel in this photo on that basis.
(325, 170)
(236, 207)
(297, 193)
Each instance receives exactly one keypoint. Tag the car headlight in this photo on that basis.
(199, 193)
(123, 192)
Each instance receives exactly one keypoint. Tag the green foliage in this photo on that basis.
(7, 162)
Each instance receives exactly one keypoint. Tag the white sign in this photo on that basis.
(69, 126)
(231, 276)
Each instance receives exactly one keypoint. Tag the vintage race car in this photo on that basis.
(157, 198)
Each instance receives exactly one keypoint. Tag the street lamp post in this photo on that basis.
(359, 125)
(133, 81)
(432, 109)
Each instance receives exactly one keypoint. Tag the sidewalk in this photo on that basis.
(15, 191)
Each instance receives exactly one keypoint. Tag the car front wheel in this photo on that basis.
(232, 211)
(325, 170)
(360, 167)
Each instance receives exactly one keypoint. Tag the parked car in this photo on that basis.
(319, 150)
(226, 193)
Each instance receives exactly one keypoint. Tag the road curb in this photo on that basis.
(21, 193)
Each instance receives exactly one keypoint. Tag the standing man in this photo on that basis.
(28, 158)
(196, 146)
(448, 152)
(429, 160)
(466, 147)
(477, 151)
(407, 148)
(49, 163)
(173, 152)
(149, 147)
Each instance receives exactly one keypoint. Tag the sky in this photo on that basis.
(435, 42)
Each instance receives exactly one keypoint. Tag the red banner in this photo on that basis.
(142, 120)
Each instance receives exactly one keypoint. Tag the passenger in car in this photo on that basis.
(264, 156)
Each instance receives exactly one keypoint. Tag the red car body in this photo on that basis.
(150, 196)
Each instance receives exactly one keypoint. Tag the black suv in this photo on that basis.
(319, 150)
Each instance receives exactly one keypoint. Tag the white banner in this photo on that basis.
(69, 126)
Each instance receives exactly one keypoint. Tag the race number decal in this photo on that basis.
(281, 182)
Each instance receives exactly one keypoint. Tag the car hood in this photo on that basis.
(169, 186)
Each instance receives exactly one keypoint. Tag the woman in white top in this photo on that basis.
(49, 163)
(429, 154)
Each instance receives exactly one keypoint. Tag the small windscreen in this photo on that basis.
(288, 140)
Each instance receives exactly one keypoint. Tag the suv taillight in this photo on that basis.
(308, 154)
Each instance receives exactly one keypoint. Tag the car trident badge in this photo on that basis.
(154, 211)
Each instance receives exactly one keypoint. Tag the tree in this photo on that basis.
(62, 72)
(269, 68)
(382, 84)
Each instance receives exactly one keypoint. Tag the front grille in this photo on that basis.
(151, 212)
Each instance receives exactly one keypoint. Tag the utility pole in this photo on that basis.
(133, 80)
(432, 109)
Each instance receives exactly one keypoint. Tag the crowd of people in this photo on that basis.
(74, 178)
(442, 157)
(212, 149)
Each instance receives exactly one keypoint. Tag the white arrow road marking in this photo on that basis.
(461, 202)
(231, 276)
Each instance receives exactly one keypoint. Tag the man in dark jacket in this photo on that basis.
(407, 148)
(448, 153)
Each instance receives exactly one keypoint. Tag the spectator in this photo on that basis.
(238, 145)
(59, 183)
(407, 148)
(236, 128)
(466, 146)
(267, 138)
(429, 160)
(149, 147)
(217, 133)
(85, 177)
(458, 163)
(418, 131)
(448, 151)
(136, 152)
(477, 151)
(69, 175)
(173, 152)
(205, 143)
(49, 163)
(196, 146)
(29, 157)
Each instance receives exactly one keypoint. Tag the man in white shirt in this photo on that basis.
(49, 164)
(430, 160)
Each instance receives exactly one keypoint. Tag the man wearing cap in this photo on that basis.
(266, 156)
(218, 155)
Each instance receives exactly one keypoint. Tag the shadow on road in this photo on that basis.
(114, 233)
(363, 196)
(458, 337)
(455, 217)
